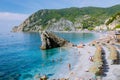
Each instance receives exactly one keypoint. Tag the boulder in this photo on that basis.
(50, 40)
(44, 77)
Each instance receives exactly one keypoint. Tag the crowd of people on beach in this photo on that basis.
(108, 41)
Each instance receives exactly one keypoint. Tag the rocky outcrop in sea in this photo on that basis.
(50, 40)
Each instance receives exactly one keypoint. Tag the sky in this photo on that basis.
(14, 12)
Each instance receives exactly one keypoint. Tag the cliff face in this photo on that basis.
(62, 25)
(50, 40)
(110, 23)
(113, 21)
(68, 19)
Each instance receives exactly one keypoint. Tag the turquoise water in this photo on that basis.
(22, 59)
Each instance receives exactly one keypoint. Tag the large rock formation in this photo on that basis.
(62, 25)
(50, 40)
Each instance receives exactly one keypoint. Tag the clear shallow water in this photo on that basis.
(22, 59)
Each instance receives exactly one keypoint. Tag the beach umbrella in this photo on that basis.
(113, 53)
(113, 56)
(93, 69)
(97, 59)
(96, 70)
(98, 55)
(98, 64)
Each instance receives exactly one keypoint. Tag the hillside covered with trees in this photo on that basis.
(67, 19)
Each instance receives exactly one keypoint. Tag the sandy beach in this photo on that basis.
(93, 60)
(81, 70)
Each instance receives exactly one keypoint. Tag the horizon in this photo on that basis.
(14, 13)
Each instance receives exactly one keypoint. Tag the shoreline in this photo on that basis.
(81, 71)
(81, 31)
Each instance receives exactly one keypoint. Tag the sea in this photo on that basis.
(22, 59)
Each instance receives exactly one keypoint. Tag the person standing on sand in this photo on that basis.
(69, 66)
(91, 58)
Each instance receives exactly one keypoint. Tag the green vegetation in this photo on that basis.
(90, 28)
(110, 21)
(67, 29)
(113, 18)
(90, 23)
(96, 15)
(117, 26)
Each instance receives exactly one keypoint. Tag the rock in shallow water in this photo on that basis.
(50, 40)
